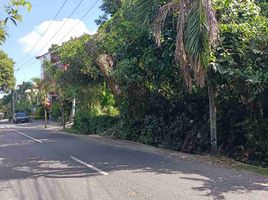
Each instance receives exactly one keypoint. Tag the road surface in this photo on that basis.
(39, 164)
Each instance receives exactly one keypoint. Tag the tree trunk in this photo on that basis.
(63, 118)
(212, 116)
(73, 109)
(45, 117)
(106, 65)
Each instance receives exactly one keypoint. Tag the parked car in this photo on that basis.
(20, 117)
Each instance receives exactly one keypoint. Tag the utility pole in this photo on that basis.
(63, 117)
(13, 103)
(45, 104)
(45, 117)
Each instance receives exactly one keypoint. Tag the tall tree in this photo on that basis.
(109, 7)
(197, 35)
(7, 80)
(43, 87)
(25, 97)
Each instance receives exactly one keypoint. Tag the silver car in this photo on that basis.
(20, 117)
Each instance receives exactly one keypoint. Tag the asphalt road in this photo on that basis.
(39, 164)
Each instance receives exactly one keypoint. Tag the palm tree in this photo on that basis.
(38, 85)
(42, 87)
(2, 35)
(197, 35)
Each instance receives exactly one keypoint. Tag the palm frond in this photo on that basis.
(197, 41)
(180, 52)
(143, 9)
(197, 33)
(160, 20)
(3, 35)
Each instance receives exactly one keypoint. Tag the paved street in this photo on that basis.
(39, 164)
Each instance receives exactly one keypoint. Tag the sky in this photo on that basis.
(22, 43)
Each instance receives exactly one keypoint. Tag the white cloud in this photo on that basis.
(29, 40)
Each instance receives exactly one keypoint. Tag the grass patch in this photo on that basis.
(70, 130)
(252, 168)
(219, 159)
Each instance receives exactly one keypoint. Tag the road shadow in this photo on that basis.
(21, 158)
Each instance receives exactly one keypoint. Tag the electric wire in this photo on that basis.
(86, 13)
(58, 30)
(39, 40)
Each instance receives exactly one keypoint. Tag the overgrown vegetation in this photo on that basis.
(125, 84)
(7, 80)
(128, 86)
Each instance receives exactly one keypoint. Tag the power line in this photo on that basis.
(86, 13)
(74, 10)
(28, 65)
(62, 25)
(50, 24)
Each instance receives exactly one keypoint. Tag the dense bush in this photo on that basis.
(154, 106)
(86, 123)
(55, 111)
(170, 123)
(39, 113)
(123, 72)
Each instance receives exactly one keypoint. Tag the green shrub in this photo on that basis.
(86, 123)
(55, 111)
(39, 113)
